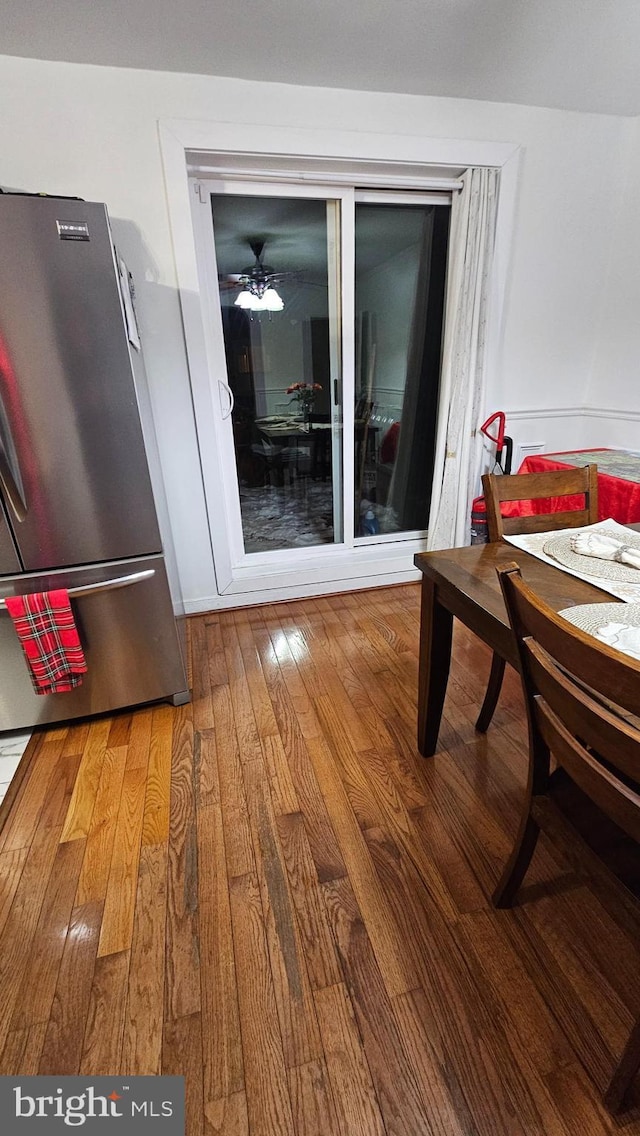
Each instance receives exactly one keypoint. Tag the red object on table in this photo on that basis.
(618, 497)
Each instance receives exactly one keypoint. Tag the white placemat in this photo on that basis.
(617, 625)
(533, 543)
(559, 548)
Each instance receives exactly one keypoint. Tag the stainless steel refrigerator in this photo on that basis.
(76, 502)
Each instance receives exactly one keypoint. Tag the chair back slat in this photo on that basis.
(595, 664)
(618, 800)
(615, 739)
(551, 483)
(566, 677)
(554, 484)
(545, 522)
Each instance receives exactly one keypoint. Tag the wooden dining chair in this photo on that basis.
(551, 485)
(580, 696)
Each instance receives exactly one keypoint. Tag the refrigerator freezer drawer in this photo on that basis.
(128, 632)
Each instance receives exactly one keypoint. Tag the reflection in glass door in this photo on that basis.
(400, 269)
(279, 285)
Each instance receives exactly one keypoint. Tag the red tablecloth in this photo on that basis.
(618, 497)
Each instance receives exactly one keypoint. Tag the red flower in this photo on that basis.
(304, 394)
(304, 388)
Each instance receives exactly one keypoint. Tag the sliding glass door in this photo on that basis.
(278, 277)
(324, 332)
(400, 267)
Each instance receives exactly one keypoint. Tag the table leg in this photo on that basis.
(436, 628)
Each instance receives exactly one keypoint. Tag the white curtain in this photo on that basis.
(457, 455)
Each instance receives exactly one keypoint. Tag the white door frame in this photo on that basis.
(234, 568)
(332, 567)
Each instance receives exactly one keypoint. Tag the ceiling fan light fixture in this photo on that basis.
(257, 293)
(269, 301)
(245, 300)
(272, 301)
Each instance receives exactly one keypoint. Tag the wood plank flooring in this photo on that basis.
(269, 892)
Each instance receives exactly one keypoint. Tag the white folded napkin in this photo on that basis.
(543, 545)
(622, 637)
(603, 546)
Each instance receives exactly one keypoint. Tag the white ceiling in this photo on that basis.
(570, 54)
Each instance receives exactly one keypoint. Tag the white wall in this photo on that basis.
(285, 345)
(92, 132)
(613, 395)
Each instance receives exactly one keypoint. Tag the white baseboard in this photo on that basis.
(275, 595)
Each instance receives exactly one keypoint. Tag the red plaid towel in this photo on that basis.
(45, 627)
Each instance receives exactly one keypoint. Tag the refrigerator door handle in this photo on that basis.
(10, 488)
(225, 386)
(10, 479)
(107, 585)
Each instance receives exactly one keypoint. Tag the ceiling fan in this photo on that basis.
(257, 283)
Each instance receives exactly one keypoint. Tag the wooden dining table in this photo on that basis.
(462, 582)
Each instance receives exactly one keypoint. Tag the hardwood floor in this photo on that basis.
(269, 892)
